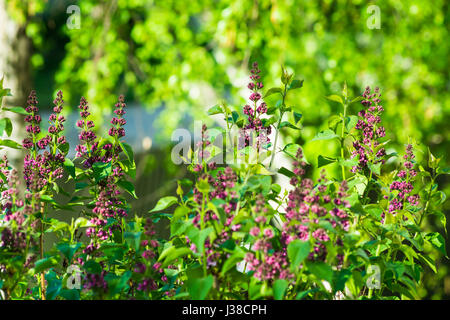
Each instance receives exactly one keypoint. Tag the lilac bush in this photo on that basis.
(235, 232)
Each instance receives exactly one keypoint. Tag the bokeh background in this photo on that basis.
(175, 59)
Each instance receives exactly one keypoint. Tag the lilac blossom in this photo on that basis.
(254, 114)
(367, 147)
(402, 187)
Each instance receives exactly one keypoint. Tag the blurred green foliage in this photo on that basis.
(189, 54)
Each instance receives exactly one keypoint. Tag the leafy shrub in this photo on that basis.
(234, 232)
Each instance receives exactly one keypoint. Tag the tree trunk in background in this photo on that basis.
(15, 59)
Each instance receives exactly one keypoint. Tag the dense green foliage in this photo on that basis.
(186, 55)
(235, 234)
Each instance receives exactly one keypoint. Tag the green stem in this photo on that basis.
(427, 204)
(276, 140)
(277, 129)
(202, 225)
(377, 253)
(366, 192)
(342, 140)
(41, 247)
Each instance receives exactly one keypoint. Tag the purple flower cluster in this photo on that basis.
(118, 122)
(267, 263)
(42, 166)
(33, 120)
(367, 147)
(147, 267)
(255, 124)
(222, 183)
(108, 203)
(88, 149)
(401, 188)
(202, 152)
(96, 282)
(15, 226)
(308, 204)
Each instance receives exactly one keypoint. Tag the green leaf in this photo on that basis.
(260, 169)
(374, 210)
(296, 84)
(397, 268)
(68, 250)
(432, 160)
(128, 186)
(129, 167)
(57, 225)
(438, 241)
(286, 172)
(279, 288)
(321, 270)
(101, 170)
(180, 212)
(341, 278)
(333, 122)
(44, 264)
(133, 239)
(54, 286)
(92, 266)
(442, 219)
(113, 251)
(233, 260)
(335, 98)
(287, 124)
(350, 122)
(82, 222)
(64, 148)
(269, 121)
(214, 110)
(164, 203)
(428, 261)
(178, 226)
(10, 143)
(2, 126)
(203, 185)
(234, 116)
(304, 293)
(323, 161)
(3, 178)
(240, 122)
(5, 126)
(117, 284)
(198, 237)
(69, 167)
(199, 287)
(359, 182)
(272, 91)
(325, 135)
(297, 252)
(297, 117)
(350, 163)
(291, 149)
(375, 168)
(276, 188)
(356, 99)
(18, 110)
(128, 150)
(172, 254)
